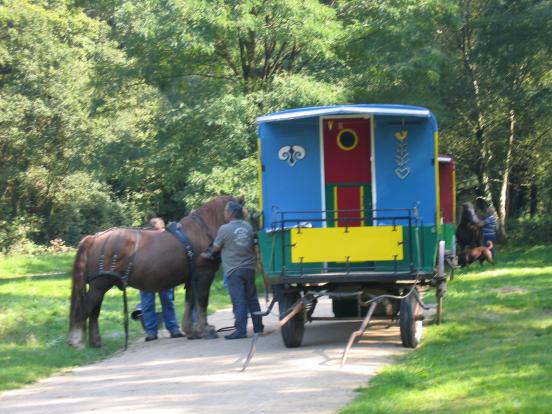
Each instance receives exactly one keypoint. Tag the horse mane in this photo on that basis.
(213, 210)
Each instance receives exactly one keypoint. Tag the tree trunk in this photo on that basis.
(505, 186)
(466, 45)
(534, 200)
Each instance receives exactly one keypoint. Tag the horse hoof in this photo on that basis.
(76, 338)
(78, 345)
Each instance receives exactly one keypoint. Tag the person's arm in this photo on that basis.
(215, 247)
(474, 219)
(211, 251)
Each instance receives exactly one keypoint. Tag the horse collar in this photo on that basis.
(199, 220)
(178, 232)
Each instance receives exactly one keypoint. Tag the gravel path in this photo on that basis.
(203, 376)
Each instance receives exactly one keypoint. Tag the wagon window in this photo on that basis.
(347, 139)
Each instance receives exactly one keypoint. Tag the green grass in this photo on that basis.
(34, 318)
(15, 266)
(492, 354)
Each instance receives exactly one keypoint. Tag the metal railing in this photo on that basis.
(405, 217)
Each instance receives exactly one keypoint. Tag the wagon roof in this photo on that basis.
(368, 109)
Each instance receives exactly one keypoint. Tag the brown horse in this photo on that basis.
(153, 261)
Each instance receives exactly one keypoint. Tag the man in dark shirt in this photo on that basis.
(235, 242)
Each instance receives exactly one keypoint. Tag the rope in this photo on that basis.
(125, 310)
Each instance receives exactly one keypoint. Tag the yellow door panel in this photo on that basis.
(335, 244)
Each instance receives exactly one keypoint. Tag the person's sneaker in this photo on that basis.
(151, 337)
(235, 335)
(177, 334)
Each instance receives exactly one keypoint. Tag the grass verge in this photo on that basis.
(23, 265)
(491, 354)
(34, 313)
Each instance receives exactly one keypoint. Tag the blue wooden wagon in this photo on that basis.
(356, 204)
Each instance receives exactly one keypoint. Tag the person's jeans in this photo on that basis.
(241, 285)
(149, 315)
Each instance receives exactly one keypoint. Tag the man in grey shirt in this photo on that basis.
(235, 241)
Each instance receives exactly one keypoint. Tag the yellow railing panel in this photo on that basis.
(335, 244)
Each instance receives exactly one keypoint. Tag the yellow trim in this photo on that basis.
(260, 180)
(336, 244)
(454, 195)
(437, 186)
(335, 205)
(355, 135)
(361, 205)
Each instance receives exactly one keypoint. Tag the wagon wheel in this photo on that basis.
(441, 279)
(410, 321)
(293, 330)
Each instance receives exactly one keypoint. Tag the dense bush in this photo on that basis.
(16, 234)
(84, 206)
(529, 231)
(73, 206)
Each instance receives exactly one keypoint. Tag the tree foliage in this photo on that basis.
(483, 67)
(117, 110)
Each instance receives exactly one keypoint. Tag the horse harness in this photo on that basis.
(122, 280)
(199, 220)
(178, 232)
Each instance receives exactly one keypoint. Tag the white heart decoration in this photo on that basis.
(402, 173)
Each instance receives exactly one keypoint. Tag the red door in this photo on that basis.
(447, 189)
(347, 170)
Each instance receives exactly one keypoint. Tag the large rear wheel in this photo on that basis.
(410, 321)
(294, 329)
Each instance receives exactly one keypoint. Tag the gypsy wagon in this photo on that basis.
(358, 205)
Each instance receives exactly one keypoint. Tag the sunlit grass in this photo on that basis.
(23, 265)
(34, 313)
(491, 354)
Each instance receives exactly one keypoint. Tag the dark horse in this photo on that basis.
(153, 261)
(468, 232)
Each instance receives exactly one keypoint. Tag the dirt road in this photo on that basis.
(203, 376)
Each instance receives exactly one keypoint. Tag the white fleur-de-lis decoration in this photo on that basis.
(291, 154)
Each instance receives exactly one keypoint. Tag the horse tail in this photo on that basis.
(77, 313)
